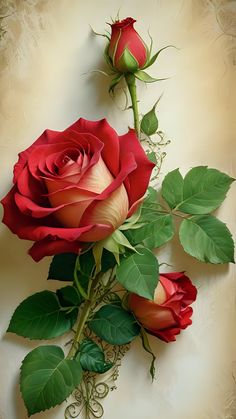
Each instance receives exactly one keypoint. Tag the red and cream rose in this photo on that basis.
(75, 186)
(170, 311)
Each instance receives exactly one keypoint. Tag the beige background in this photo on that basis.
(47, 52)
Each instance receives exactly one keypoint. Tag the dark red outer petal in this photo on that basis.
(137, 180)
(29, 228)
(47, 247)
(46, 137)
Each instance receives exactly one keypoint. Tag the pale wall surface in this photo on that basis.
(45, 52)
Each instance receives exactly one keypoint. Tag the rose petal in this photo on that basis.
(47, 247)
(112, 212)
(101, 129)
(142, 174)
(30, 228)
(128, 165)
(97, 178)
(46, 137)
(167, 335)
(30, 208)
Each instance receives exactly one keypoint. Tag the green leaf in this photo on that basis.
(149, 123)
(62, 267)
(152, 197)
(158, 230)
(69, 296)
(152, 157)
(143, 76)
(114, 325)
(127, 62)
(172, 188)
(47, 378)
(200, 192)
(148, 349)
(41, 316)
(139, 273)
(207, 239)
(92, 358)
(204, 190)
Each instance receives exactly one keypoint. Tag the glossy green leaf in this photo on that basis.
(207, 239)
(172, 188)
(62, 267)
(114, 325)
(139, 273)
(47, 378)
(92, 357)
(41, 316)
(69, 296)
(149, 123)
(152, 157)
(152, 197)
(204, 190)
(200, 192)
(87, 262)
(157, 230)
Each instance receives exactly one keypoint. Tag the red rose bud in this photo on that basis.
(169, 312)
(127, 50)
(76, 186)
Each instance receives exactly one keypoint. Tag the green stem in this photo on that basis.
(83, 318)
(76, 279)
(130, 80)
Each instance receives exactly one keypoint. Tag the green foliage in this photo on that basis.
(47, 378)
(149, 123)
(92, 358)
(200, 192)
(41, 316)
(154, 228)
(114, 325)
(87, 262)
(69, 296)
(207, 239)
(157, 230)
(139, 273)
(62, 267)
(172, 188)
(152, 157)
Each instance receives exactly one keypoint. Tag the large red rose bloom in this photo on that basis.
(75, 186)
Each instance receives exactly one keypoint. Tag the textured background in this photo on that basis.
(47, 52)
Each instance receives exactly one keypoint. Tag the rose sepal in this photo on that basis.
(115, 244)
(151, 60)
(146, 78)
